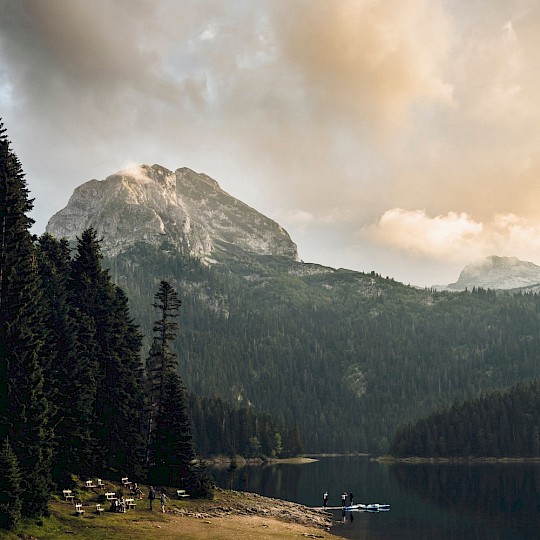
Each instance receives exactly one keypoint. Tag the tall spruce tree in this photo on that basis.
(172, 446)
(70, 367)
(63, 357)
(161, 360)
(24, 411)
(171, 451)
(114, 374)
(124, 383)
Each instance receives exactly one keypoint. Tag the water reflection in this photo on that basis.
(443, 501)
(506, 492)
(271, 480)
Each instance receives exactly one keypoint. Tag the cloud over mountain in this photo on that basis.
(341, 111)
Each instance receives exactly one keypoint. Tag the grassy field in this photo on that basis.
(230, 516)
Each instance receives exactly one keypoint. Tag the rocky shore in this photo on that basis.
(240, 503)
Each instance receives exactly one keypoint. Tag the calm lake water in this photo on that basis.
(447, 501)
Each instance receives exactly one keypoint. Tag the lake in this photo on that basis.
(495, 501)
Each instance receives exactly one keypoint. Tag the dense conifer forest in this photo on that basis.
(499, 423)
(347, 356)
(75, 396)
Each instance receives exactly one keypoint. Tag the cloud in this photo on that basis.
(456, 237)
(369, 60)
(450, 237)
(340, 109)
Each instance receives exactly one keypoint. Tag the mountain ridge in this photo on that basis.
(182, 210)
(499, 273)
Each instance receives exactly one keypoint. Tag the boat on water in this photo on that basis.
(373, 507)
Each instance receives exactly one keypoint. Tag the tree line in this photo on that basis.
(496, 424)
(76, 396)
(219, 428)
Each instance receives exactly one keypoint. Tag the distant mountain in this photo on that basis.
(497, 273)
(181, 211)
(345, 355)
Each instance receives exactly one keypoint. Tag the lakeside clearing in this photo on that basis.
(231, 515)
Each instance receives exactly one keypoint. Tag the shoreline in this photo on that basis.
(240, 461)
(464, 460)
(230, 515)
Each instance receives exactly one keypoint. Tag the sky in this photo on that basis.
(383, 135)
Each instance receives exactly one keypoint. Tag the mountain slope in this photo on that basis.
(347, 356)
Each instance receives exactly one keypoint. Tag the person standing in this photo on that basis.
(163, 498)
(325, 499)
(151, 496)
(343, 499)
(350, 498)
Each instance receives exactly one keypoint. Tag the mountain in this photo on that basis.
(498, 273)
(181, 210)
(346, 356)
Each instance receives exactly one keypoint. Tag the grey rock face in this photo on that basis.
(498, 273)
(182, 210)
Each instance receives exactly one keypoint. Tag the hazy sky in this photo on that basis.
(388, 135)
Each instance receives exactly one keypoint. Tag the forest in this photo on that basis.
(346, 356)
(496, 424)
(78, 393)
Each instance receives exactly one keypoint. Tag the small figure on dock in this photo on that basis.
(350, 498)
(325, 499)
(343, 499)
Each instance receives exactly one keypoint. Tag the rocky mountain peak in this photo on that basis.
(496, 272)
(180, 210)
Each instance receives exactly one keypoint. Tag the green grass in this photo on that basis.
(63, 522)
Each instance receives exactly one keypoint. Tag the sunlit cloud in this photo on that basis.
(447, 237)
(456, 236)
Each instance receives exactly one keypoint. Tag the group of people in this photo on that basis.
(119, 505)
(162, 498)
(343, 499)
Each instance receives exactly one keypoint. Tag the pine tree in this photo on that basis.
(172, 447)
(63, 357)
(171, 451)
(24, 411)
(123, 385)
(10, 487)
(161, 360)
(113, 375)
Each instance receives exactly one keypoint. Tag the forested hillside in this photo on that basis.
(76, 397)
(345, 355)
(499, 423)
